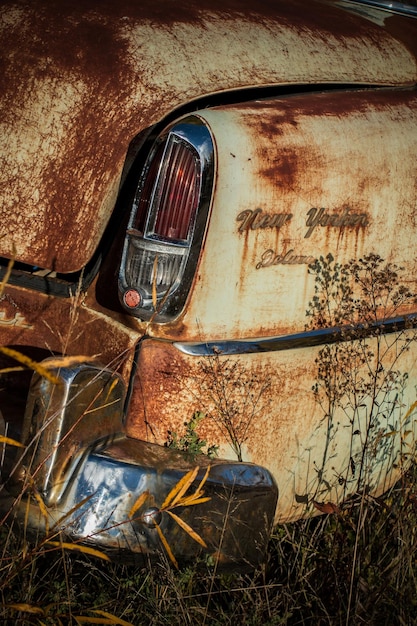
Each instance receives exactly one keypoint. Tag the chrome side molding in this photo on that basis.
(404, 8)
(305, 339)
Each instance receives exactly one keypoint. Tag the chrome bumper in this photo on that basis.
(128, 498)
(234, 523)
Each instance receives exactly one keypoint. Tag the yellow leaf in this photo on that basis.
(11, 442)
(203, 480)
(43, 510)
(141, 500)
(192, 500)
(26, 608)
(28, 362)
(166, 546)
(8, 272)
(113, 619)
(180, 488)
(69, 361)
(112, 386)
(76, 546)
(188, 529)
(410, 410)
(7, 370)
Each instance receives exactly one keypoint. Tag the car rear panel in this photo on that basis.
(298, 178)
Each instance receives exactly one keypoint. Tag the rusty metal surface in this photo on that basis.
(262, 408)
(80, 80)
(66, 326)
(298, 178)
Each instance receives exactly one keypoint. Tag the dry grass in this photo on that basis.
(357, 566)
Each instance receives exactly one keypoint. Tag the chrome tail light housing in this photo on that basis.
(167, 222)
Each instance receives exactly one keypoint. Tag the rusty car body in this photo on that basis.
(208, 227)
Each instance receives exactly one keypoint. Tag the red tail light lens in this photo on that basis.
(160, 245)
(179, 193)
(173, 200)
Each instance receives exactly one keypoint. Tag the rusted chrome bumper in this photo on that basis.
(125, 497)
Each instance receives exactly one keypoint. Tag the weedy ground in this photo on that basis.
(357, 565)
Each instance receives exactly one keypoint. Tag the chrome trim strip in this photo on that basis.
(386, 5)
(305, 339)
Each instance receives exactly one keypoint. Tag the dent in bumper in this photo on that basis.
(234, 522)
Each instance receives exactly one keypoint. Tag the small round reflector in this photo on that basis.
(132, 298)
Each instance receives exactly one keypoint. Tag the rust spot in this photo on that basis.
(297, 13)
(240, 397)
(64, 326)
(290, 110)
(158, 392)
(289, 168)
(83, 59)
(283, 171)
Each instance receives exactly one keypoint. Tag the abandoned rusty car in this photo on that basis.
(208, 227)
